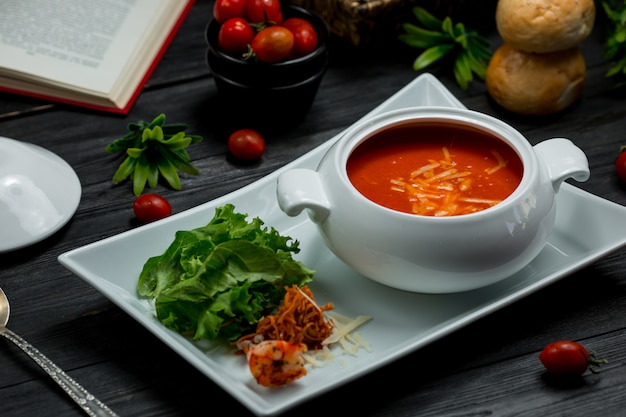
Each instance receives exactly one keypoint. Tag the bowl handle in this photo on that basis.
(563, 159)
(299, 189)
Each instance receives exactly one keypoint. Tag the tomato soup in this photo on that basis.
(435, 169)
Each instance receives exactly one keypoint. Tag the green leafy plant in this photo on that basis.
(154, 150)
(615, 45)
(470, 52)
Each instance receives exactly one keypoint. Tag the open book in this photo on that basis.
(92, 53)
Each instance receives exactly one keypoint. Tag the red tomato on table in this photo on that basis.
(620, 166)
(151, 207)
(246, 144)
(567, 358)
(234, 36)
(304, 34)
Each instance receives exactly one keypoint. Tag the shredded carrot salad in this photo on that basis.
(439, 188)
(297, 320)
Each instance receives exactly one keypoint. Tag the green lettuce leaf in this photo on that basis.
(220, 279)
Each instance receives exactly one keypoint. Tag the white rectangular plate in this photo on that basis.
(587, 228)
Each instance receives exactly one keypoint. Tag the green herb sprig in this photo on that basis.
(441, 38)
(155, 150)
(615, 44)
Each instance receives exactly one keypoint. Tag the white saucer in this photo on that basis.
(39, 194)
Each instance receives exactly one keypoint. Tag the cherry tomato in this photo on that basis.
(304, 35)
(235, 35)
(272, 44)
(620, 166)
(260, 11)
(151, 207)
(227, 9)
(568, 358)
(246, 144)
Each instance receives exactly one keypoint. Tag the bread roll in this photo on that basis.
(543, 26)
(535, 84)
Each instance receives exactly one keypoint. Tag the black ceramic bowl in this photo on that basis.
(269, 94)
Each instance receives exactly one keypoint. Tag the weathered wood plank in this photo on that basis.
(487, 368)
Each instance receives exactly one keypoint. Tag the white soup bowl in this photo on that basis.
(430, 254)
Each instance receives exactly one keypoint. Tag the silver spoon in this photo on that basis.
(90, 404)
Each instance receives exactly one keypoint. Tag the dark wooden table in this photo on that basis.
(488, 368)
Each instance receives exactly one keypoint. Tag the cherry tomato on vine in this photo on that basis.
(568, 358)
(272, 44)
(235, 35)
(259, 11)
(246, 144)
(151, 207)
(620, 166)
(304, 35)
(227, 9)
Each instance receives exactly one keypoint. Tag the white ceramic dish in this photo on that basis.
(39, 193)
(431, 254)
(402, 321)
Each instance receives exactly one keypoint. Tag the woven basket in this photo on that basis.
(363, 22)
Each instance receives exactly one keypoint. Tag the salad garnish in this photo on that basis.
(298, 319)
(219, 280)
(236, 280)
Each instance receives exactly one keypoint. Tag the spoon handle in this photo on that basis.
(90, 404)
